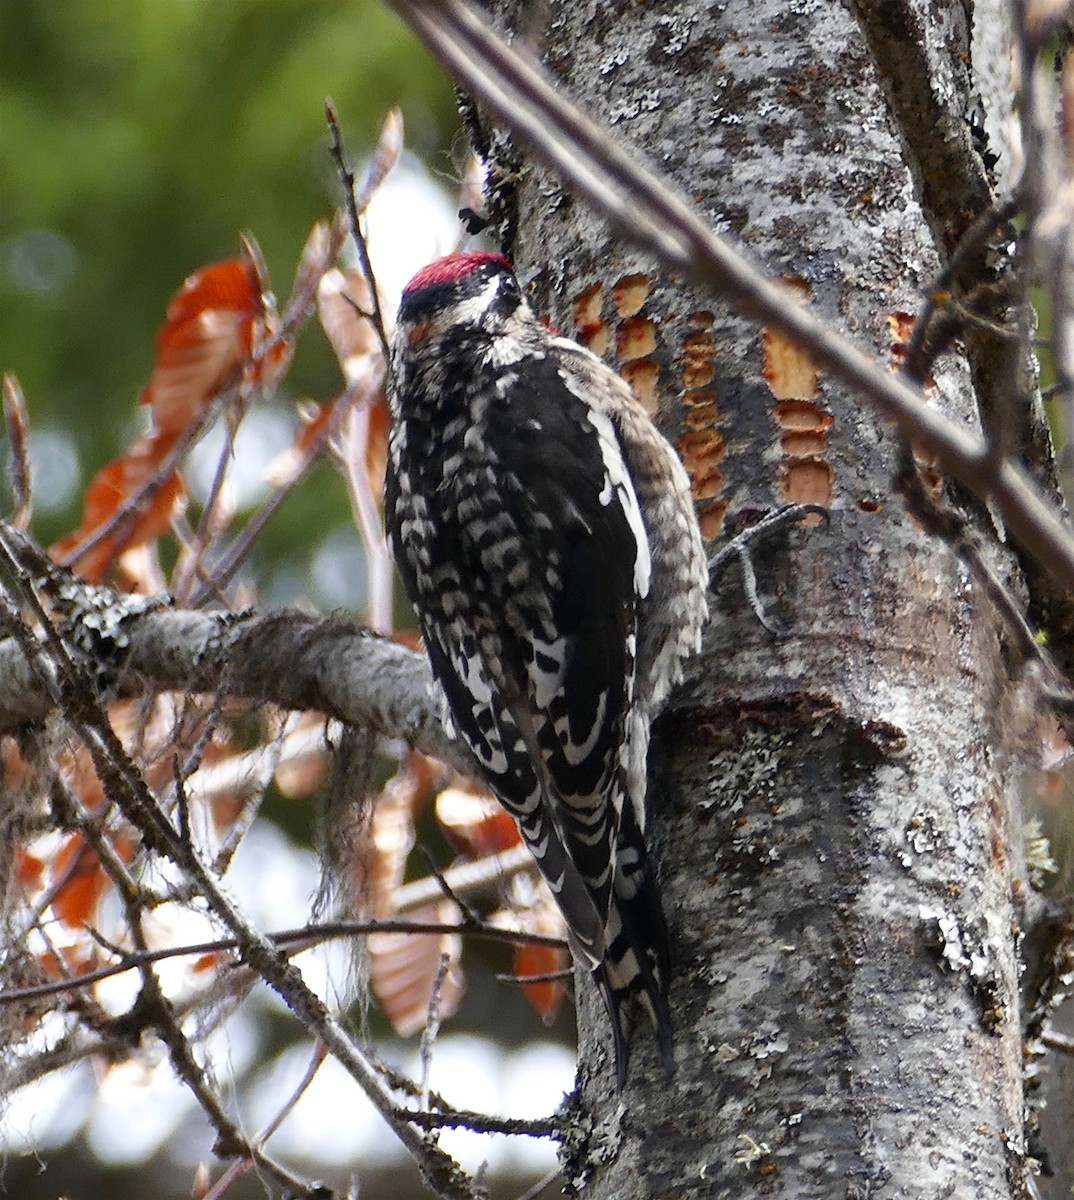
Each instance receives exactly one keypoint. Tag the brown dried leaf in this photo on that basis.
(315, 259)
(403, 969)
(342, 298)
(391, 839)
(301, 778)
(386, 154)
(17, 420)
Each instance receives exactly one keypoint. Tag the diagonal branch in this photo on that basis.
(289, 658)
(293, 941)
(658, 218)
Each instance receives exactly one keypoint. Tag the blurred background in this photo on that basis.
(138, 138)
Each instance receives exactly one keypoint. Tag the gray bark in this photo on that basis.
(839, 840)
(287, 657)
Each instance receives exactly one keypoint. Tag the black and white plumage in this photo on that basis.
(545, 535)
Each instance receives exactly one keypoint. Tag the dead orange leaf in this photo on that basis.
(84, 882)
(220, 319)
(112, 487)
(475, 823)
(29, 869)
(221, 327)
(545, 995)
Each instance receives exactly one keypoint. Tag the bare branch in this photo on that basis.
(533, 1192)
(346, 176)
(466, 879)
(924, 345)
(660, 220)
(125, 787)
(289, 658)
(481, 1123)
(293, 941)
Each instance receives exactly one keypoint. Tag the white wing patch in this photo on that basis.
(617, 484)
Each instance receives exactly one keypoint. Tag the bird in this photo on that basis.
(544, 532)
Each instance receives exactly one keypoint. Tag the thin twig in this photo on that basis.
(431, 1030)
(198, 545)
(438, 1169)
(63, 804)
(943, 521)
(545, 977)
(469, 914)
(155, 1010)
(124, 784)
(533, 1192)
(535, 1127)
(74, 815)
(739, 547)
(128, 512)
(269, 759)
(466, 879)
(346, 176)
(320, 1053)
(291, 941)
(223, 570)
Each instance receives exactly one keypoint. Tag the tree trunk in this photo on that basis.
(837, 834)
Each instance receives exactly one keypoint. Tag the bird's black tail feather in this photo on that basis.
(637, 962)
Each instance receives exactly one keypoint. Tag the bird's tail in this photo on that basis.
(636, 969)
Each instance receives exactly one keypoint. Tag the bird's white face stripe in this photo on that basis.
(471, 310)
